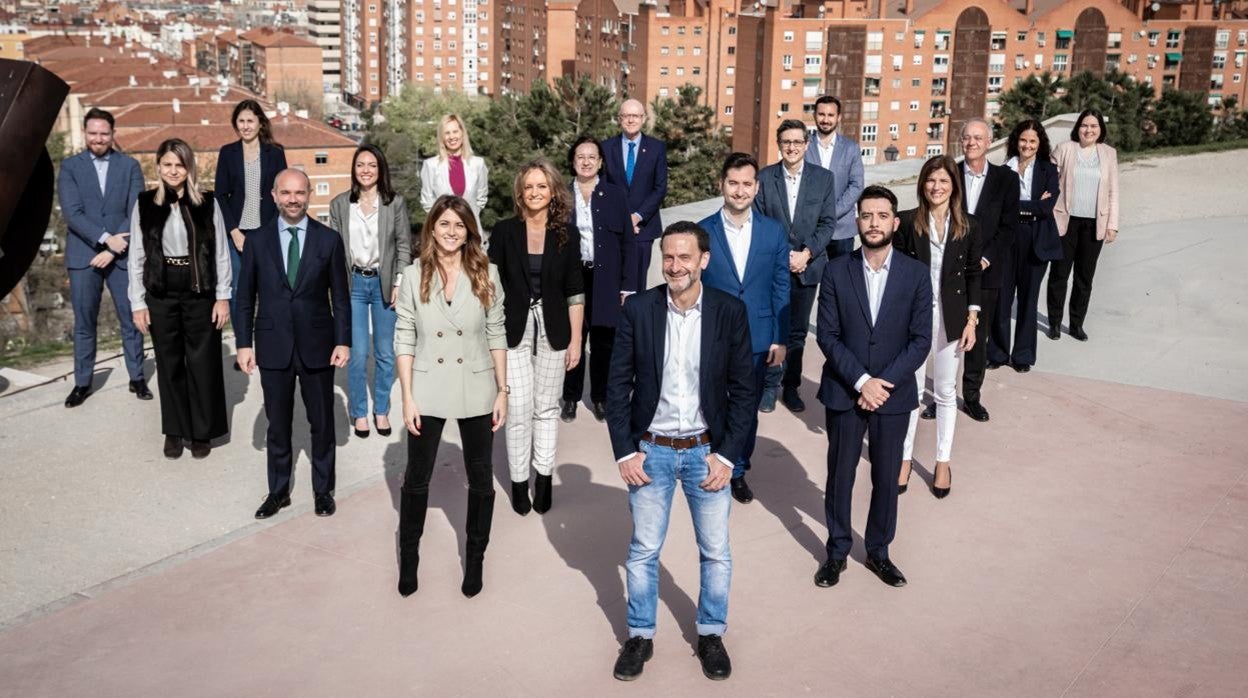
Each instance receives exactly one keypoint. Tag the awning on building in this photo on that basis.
(1174, 57)
(1065, 34)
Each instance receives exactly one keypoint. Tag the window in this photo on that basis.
(680, 50)
(934, 150)
(322, 158)
(1172, 38)
(664, 50)
(916, 82)
(868, 156)
(697, 70)
(787, 62)
(872, 66)
(899, 37)
(875, 41)
(1063, 41)
(1040, 39)
(663, 92)
(942, 41)
(937, 109)
(1115, 40)
(697, 30)
(998, 41)
(322, 188)
(729, 90)
(680, 31)
(896, 83)
(728, 110)
(894, 105)
(1039, 60)
(1235, 78)
(1112, 61)
(939, 86)
(730, 70)
(918, 38)
(665, 31)
(1022, 35)
(911, 151)
(1152, 38)
(1239, 59)
(1059, 62)
(870, 111)
(732, 50)
(1019, 62)
(940, 63)
(784, 107)
(996, 63)
(1173, 60)
(994, 85)
(868, 133)
(871, 87)
(1215, 82)
(897, 62)
(935, 131)
(1223, 39)
(912, 127)
(814, 41)
(914, 105)
(918, 59)
(813, 64)
(663, 71)
(894, 131)
(697, 50)
(810, 88)
(680, 71)
(788, 37)
(323, 218)
(1219, 60)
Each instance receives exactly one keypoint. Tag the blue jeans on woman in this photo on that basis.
(366, 303)
(651, 506)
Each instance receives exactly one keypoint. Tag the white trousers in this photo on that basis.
(535, 373)
(944, 357)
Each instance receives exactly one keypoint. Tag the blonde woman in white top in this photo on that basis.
(455, 170)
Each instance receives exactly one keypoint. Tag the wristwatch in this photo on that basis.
(505, 389)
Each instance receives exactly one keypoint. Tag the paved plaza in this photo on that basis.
(1095, 542)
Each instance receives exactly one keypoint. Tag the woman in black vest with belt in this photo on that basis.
(180, 291)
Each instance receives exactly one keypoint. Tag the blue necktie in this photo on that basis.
(630, 162)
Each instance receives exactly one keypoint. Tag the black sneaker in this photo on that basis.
(633, 657)
(715, 663)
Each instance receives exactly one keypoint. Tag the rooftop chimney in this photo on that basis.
(910, 7)
(1028, 7)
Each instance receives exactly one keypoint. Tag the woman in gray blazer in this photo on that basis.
(376, 231)
(452, 359)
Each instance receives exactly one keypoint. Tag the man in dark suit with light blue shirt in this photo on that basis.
(750, 260)
(638, 164)
(802, 199)
(875, 330)
(293, 300)
(840, 156)
(97, 189)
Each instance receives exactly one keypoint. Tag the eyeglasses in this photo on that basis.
(792, 144)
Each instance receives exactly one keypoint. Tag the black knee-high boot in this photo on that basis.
(480, 518)
(412, 508)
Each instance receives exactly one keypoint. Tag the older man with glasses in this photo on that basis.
(638, 164)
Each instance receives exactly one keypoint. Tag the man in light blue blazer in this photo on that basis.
(750, 260)
(97, 190)
(841, 156)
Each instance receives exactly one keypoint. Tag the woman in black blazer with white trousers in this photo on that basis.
(246, 169)
(941, 236)
(1036, 243)
(538, 254)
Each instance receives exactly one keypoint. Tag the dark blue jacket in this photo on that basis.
(313, 317)
(892, 349)
(765, 288)
(649, 185)
(725, 377)
(88, 213)
(612, 270)
(1046, 244)
(231, 182)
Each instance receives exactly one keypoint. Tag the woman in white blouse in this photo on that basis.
(180, 292)
(376, 231)
(455, 170)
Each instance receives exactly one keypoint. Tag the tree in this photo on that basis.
(1182, 118)
(1034, 97)
(696, 145)
(1124, 102)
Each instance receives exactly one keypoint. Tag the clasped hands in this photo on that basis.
(873, 394)
(799, 260)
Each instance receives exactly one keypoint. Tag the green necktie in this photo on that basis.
(292, 256)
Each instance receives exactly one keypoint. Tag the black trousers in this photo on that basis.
(1080, 250)
(801, 302)
(1020, 284)
(188, 360)
(641, 252)
(886, 436)
(976, 364)
(317, 388)
(422, 453)
(600, 342)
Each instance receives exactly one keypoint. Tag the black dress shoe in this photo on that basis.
(520, 498)
(384, 432)
(1021, 368)
(1079, 334)
(360, 433)
(78, 395)
(942, 492)
(200, 449)
(929, 412)
(994, 365)
(600, 411)
(793, 400)
(140, 390)
(768, 401)
(1055, 332)
(715, 663)
(902, 487)
(568, 413)
(272, 504)
(325, 504)
(886, 571)
(975, 410)
(173, 447)
(633, 657)
(829, 573)
(741, 491)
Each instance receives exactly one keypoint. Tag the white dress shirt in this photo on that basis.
(825, 152)
(585, 220)
(877, 281)
(1024, 179)
(680, 409)
(174, 243)
(792, 184)
(739, 240)
(974, 185)
(365, 244)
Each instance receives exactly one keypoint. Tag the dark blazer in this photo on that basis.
(612, 269)
(231, 182)
(313, 317)
(562, 281)
(815, 223)
(765, 288)
(1046, 243)
(997, 212)
(88, 213)
(959, 271)
(726, 391)
(649, 186)
(892, 349)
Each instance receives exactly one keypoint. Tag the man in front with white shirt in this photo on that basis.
(875, 330)
(840, 155)
(679, 403)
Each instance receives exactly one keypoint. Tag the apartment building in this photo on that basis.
(325, 29)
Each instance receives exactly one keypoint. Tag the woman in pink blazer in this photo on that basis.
(1086, 213)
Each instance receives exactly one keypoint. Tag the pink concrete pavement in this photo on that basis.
(1095, 543)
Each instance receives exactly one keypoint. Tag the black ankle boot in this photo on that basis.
(520, 498)
(541, 493)
(480, 518)
(412, 508)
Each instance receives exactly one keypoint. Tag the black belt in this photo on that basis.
(1026, 215)
(370, 273)
(679, 443)
(587, 265)
(178, 261)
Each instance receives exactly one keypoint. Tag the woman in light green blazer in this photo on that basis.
(451, 349)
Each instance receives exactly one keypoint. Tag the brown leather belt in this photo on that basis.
(678, 443)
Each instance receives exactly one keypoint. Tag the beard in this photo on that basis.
(882, 242)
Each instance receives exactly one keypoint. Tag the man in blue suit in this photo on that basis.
(750, 260)
(875, 329)
(98, 188)
(801, 198)
(638, 164)
(840, 156)
(296, 269)
(678, 409)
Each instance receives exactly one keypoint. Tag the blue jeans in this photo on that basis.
(760, 377)
(651, 507)
(366, 302)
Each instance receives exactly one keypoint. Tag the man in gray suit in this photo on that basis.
(841, 156)
(97, 189)
(803, 199)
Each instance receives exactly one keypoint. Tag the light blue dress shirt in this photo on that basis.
(283, 237)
